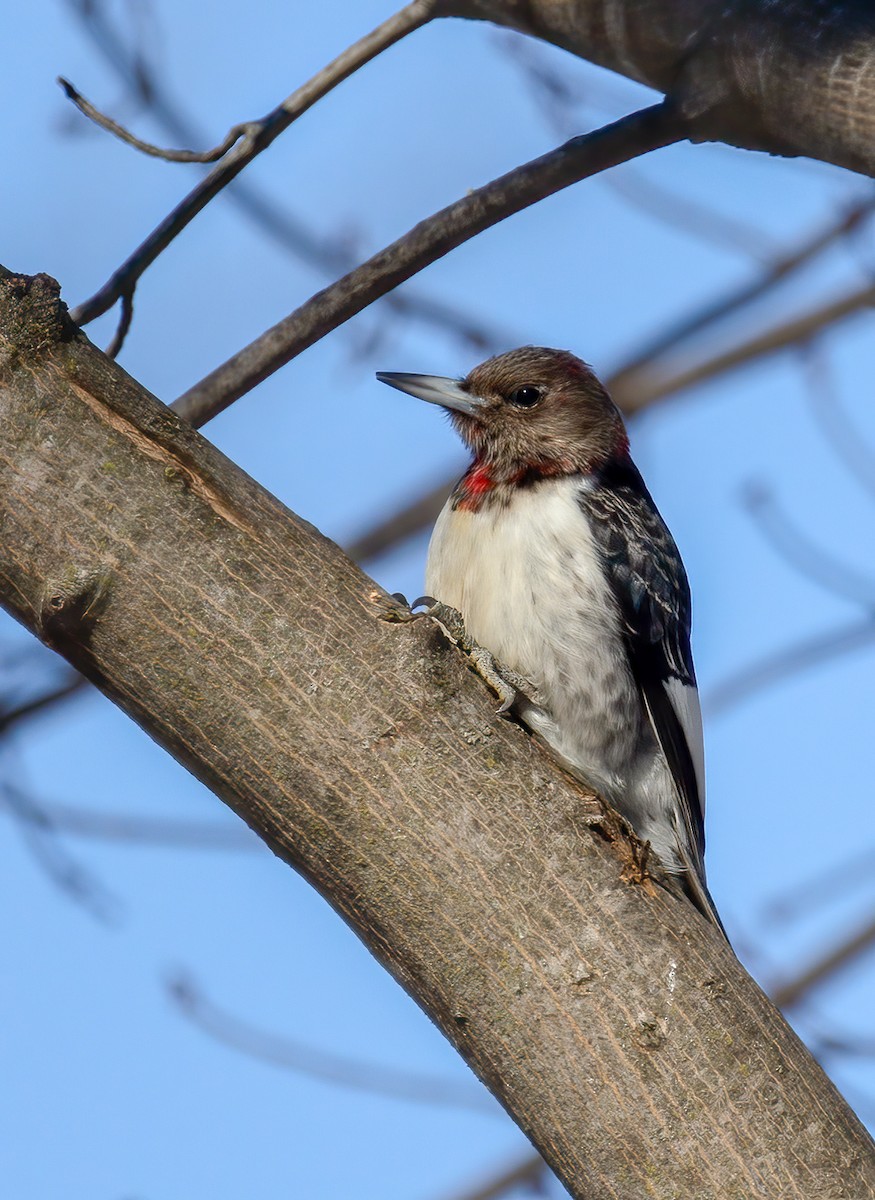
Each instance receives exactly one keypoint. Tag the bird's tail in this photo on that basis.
(694, 884)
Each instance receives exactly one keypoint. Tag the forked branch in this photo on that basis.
(256, 137)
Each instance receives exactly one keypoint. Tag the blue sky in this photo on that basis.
(109, 1091)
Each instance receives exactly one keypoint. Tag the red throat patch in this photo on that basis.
(474, 485)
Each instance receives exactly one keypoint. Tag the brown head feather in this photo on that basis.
(574, 426)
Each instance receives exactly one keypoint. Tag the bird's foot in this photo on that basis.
(507, 684)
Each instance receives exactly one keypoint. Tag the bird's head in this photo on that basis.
(532, 412)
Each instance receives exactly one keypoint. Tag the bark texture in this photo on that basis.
(610, 1019)
(787, 76)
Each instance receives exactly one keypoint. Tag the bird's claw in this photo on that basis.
(506, 684)
(405, 612)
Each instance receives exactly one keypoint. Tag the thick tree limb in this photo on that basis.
(607, 1017)
(787, 76)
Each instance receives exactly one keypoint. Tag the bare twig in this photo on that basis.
(530, 1174)
(828, 1044)
(791, 544)
(141, 831)
(259, 136)
(689, 217)
(563, 103)
(834, 883)
(66, 874)
(124, 324)
(329, 1068)
(400, 525)
(786, 995)
(647, 386)
(74, 683)
(428, 241)
(246, 129)
(789, 662)
(286, 230)
(845, 439)
(781, 269)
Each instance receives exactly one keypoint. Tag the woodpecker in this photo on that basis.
(554, 554)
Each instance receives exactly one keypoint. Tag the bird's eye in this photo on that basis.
(525, 397)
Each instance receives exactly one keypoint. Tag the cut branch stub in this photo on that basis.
(608, 1018)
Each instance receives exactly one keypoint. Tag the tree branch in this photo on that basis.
(787, 994)
(78, 884)
(792, 544)
(234, 134)
(645, 388)
(607, 1017)
(844, 437)
(257, 137)
(21, 712)
(782, 268)
(428, 241)
(319, 1064)
(76, 821)
(286, 230)
(529, 1173)
(795, 77)
(786, 663)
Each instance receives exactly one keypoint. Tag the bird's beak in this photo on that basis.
(435, 389)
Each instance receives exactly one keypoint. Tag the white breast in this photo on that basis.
(527, 580)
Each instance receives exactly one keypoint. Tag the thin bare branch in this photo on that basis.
(287, 231)
(60, 868)
(683, 213)
(530, 1173)
(834, 422)
(786, 995)
(793, 545)
(246, 129)
(824, 1045)
(76, 821)
(777, 272)
(72, 684)
(646, 387)
(260, 135)
(428, 241)
(411, 519)
(787, 663)
(328, 1068)
(832, 884)
(125, 317)
(563, 104)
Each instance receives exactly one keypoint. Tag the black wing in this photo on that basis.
(650, 587)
